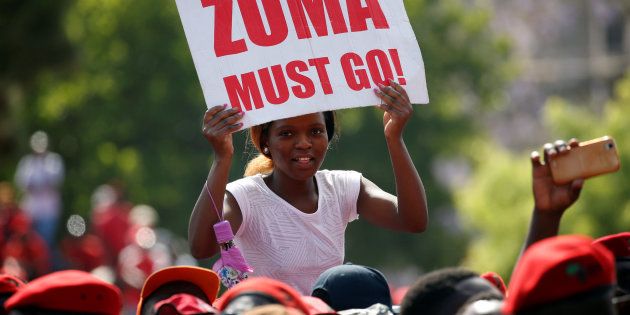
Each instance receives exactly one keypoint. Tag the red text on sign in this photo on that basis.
(244, 92)
(375, 68)
(317, 12)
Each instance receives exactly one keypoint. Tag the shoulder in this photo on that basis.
(339, 175)
(245, 182)
(26, 159)
(344, 182)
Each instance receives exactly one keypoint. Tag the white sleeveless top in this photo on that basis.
(281, 242)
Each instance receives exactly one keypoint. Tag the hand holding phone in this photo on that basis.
(590, 158)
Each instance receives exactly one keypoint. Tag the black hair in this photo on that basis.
(433, 292)
(332, 128)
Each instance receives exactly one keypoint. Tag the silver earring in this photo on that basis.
(266, 151)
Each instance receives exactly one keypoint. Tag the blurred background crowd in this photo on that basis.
(109, 186)
(118, 241)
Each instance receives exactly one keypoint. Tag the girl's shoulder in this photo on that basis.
(337, 173)
(245, 182)
(337, 176)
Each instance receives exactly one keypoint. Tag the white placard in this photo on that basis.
(283, 58)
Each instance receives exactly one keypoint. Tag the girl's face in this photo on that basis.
(298, 145)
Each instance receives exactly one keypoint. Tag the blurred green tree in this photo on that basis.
(33, 41)
(497, 202)
(130, 107)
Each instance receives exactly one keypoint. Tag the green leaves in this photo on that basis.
(498, 200)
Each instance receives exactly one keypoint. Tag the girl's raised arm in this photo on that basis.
(407, 211)
(218, 125)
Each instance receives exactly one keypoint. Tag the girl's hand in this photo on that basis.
(219, 122)
(397, 108)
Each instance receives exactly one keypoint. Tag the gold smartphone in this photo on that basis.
(590, 158)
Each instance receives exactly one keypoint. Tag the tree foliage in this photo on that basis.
(32, 42)
(497, 202)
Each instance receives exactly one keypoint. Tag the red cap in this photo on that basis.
(280, 291)
(557, 268)
(10, 284)
(183, 304)
(496, 280)
(206, 279)
(618, 244)
(69, 291)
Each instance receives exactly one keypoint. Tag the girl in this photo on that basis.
(289, 216)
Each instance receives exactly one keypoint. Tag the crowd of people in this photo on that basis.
(559, 275)
(279, 234)
(122, 243)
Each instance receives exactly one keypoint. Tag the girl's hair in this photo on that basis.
(263, 164)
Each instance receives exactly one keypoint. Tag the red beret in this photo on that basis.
(557, 268)
(280, 291)
(183, 304)
(10, 284)
(206, 279)
(70, 291)
(618, 244)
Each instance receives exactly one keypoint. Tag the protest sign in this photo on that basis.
(282, 58)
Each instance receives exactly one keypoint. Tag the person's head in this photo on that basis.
(445, 291)
(165, 283)
(66, 292)
(562, 275)
(351, 287)
(39, 142)
(308, 136)
(259, 291)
